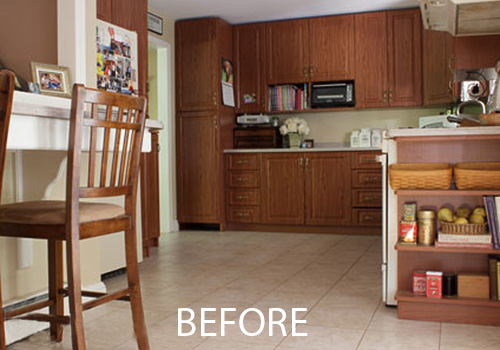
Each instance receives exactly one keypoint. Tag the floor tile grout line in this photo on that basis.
(333, 286)
(368, 325)
(440, 334)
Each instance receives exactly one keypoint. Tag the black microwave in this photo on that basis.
(335, 94)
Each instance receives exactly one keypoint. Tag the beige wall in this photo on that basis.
(28, 32)
(337, 126)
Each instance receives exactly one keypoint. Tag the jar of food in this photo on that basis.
(426, 227)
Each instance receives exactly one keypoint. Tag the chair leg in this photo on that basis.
(3, 342)
(55, 284)
(75, 294)
(135, 290)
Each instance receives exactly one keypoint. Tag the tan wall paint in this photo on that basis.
(28, 32)
(337, 126)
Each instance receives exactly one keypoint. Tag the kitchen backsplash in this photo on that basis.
(337, 126)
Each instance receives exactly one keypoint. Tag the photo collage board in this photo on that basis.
(116, 58)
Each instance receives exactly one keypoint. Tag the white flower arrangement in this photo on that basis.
(295, 125)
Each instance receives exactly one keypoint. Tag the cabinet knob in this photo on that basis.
(215, 98)
(301, 162)
(215, 121)
(307, 162)
(385, 95)
(390, 95)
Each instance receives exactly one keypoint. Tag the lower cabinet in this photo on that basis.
(283, 188)
(309, 189)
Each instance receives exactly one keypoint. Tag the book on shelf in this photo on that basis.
(493, 264)
(492, 213)
(458, 238)
(288, 97)
(464, 245)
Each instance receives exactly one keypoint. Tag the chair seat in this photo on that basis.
(54, 212)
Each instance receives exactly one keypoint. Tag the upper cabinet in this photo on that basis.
(388, 59)
(475, 52)
(196, 51)
(250, 94)
(287, 51)
(404, 29)
(331, 41)
(437, 67)
(371, 60)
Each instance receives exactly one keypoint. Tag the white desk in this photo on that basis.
(41, 122)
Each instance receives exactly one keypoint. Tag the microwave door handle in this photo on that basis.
(325, 97)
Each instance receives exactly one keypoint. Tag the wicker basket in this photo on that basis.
(463, 229)
(470, 176)
(430, 176)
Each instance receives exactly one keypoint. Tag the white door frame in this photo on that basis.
(166, 137)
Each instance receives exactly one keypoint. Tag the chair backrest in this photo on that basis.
(7, 84)
(111, 126)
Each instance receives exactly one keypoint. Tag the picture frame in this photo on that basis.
(309, 143)
(53, 80)
(155, 24)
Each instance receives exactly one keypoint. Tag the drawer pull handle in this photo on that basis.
(242, 197)
(242, 214)
(369, 199)
(242, 161)
(369, 218)
(241, 179)
(368, 160)
(371, 179)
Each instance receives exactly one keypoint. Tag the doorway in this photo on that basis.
(160, 107)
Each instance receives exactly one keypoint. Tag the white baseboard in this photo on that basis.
(175, 226)
(16, 330)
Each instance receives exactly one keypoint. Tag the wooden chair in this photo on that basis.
(111, 125)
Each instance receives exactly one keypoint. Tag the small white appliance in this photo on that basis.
(436, 121)
(253, 119)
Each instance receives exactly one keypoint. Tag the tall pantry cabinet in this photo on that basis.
(204, 124)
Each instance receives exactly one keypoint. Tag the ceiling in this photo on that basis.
(243, 11)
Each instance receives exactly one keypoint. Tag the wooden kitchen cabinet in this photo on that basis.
(371, 60)
(249, 43)
(331, 41)
(404, 30)
(197, 164)
(327, 191)
(197, 68)
(437, 67)
(287, 51)
(283, 188)
(388, 59)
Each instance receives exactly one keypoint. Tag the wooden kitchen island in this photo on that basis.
(321, 190)
(479, 144)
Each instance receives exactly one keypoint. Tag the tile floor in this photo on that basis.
(337, 278)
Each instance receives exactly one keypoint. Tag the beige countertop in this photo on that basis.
(466, 131)
(319, 147)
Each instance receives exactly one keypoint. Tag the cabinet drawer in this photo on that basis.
(242, 162)
(367, 198)
(243, 179)
(243, 214)
(243, 197)
(365, 160)
(366, 179)
(367, 217)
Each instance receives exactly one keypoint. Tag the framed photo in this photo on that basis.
(309, 143)
(155, 24)
(53, 80)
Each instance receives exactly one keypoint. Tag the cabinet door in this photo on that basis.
(332, 48)
(328, 189)
(405, 58)
(371, 60)
(283, 188)
(288, 51)
(437, 67)
(249, 68)
(195, 48)
(198, 164)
